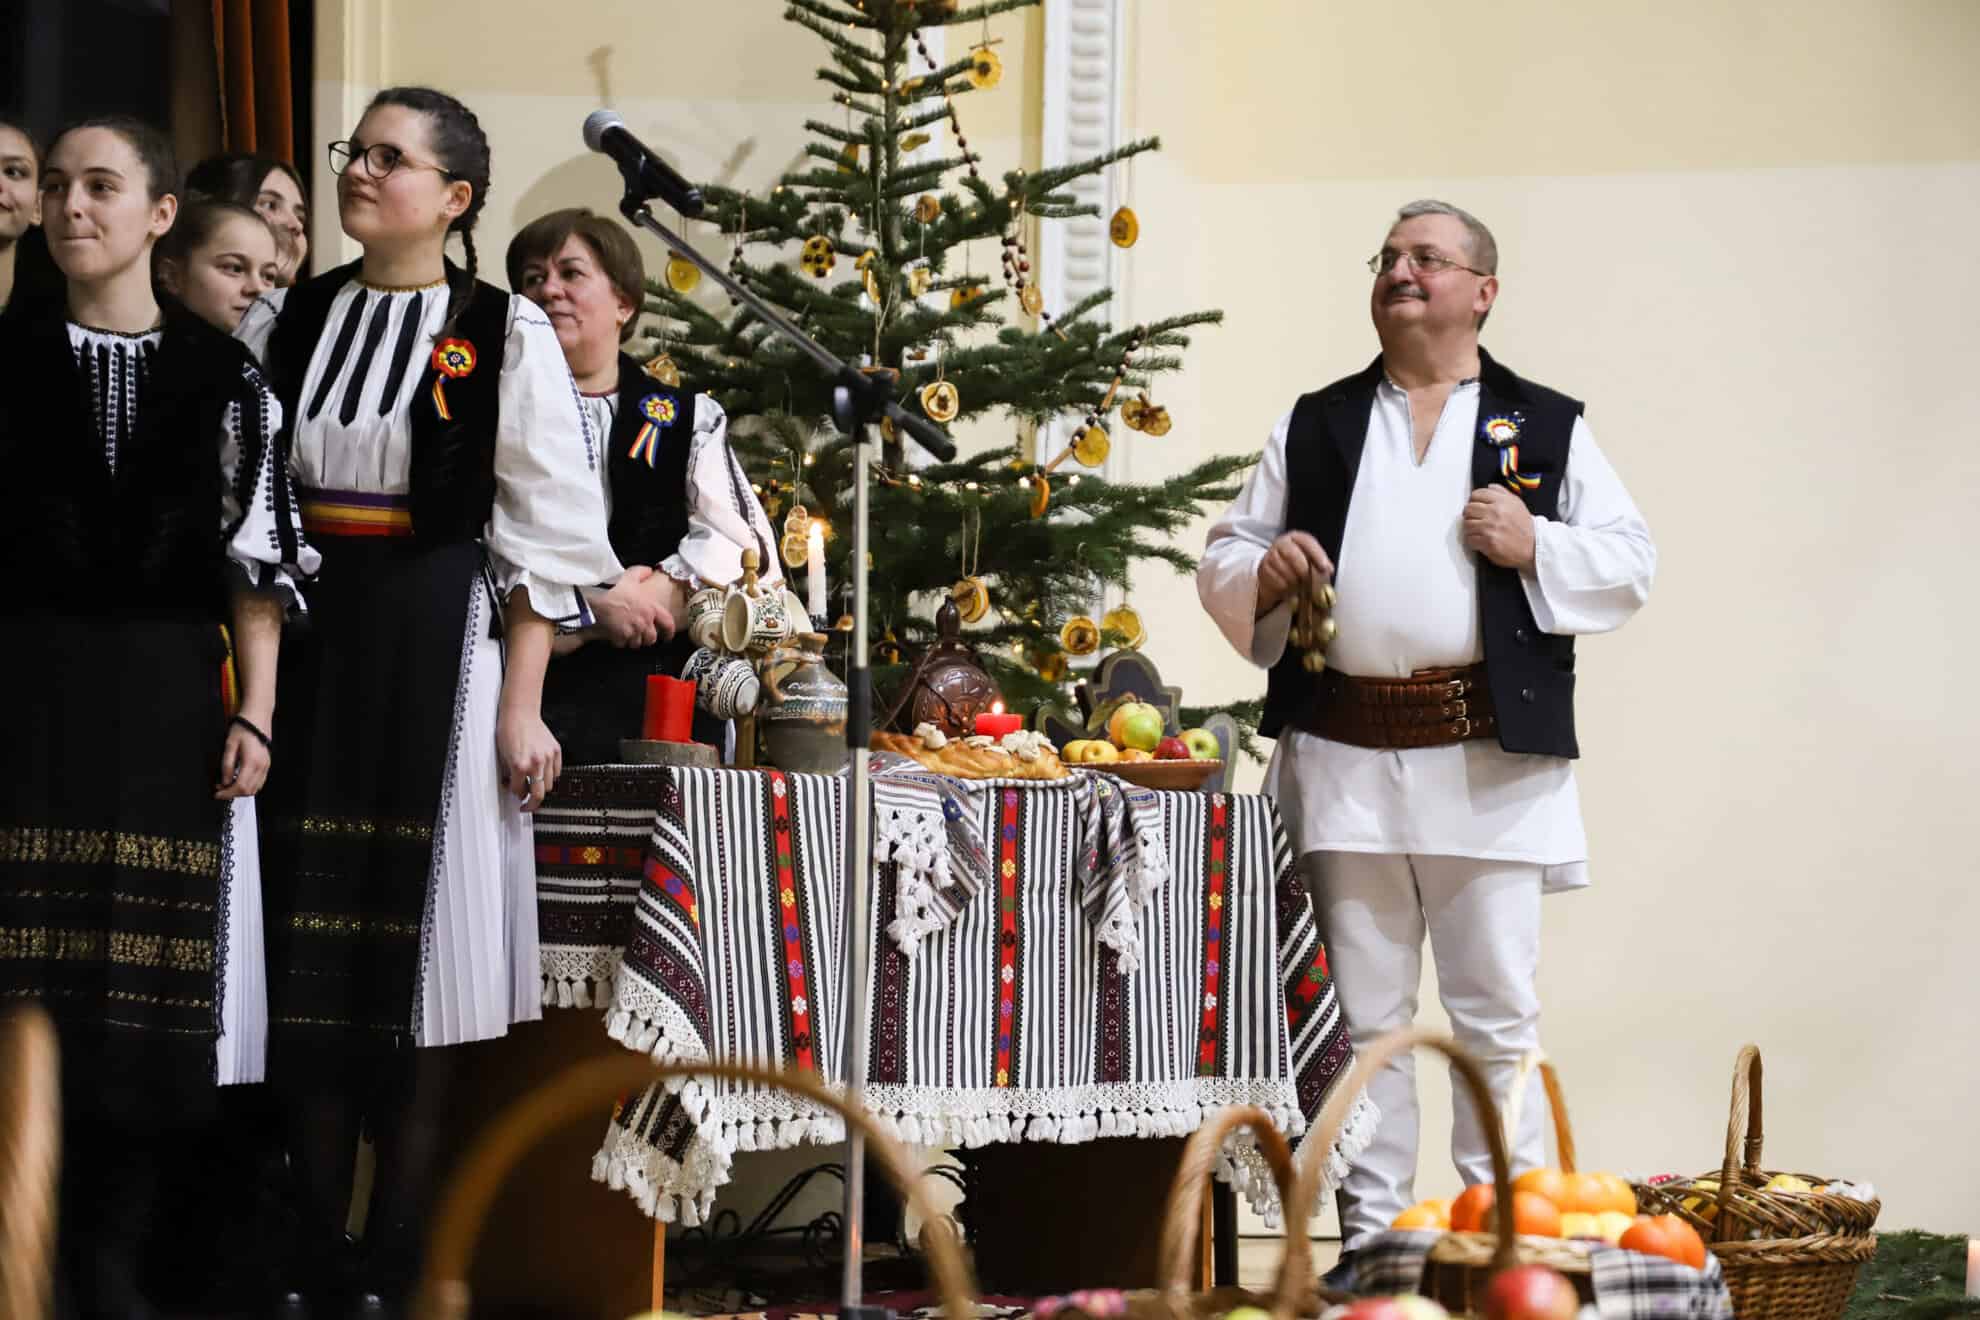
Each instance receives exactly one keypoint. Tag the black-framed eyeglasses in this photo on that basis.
(1424, 261)
(380, 159)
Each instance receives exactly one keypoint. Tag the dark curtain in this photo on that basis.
(234, 84)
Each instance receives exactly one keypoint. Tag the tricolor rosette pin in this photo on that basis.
(453, 359)
(1503, 432)
(658, 410)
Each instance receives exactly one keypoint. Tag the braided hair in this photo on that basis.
(461, 148)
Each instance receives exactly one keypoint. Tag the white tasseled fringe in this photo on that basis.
(684, 1190)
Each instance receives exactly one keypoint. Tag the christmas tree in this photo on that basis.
(864, 247)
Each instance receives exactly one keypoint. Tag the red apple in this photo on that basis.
(1530, 1292)
(1172, 749)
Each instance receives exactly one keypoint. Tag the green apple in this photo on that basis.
(1141, 728)
(1202, 744)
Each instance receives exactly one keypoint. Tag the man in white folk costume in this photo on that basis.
(1471, 529)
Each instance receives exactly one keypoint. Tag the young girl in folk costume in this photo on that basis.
(682, 511)
(145, 513)
(217, 260)
(446, 474)
(270, 188)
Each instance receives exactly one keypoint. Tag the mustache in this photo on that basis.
(1408, 291)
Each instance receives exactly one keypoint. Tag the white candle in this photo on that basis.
(1973, 1267)
(814, 570)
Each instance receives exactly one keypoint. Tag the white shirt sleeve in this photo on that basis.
(258, 322)
(547, 531)
(255, 508)
(1592, 569)
(724, 515)
(1227, 577)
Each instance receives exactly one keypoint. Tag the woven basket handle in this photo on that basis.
(1327, 1130)
(1743, 1122)
(1184, 1216)
(1556, 1105)
(579, 1092)
(30, 1160)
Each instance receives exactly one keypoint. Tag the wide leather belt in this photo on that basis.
(1430, 708)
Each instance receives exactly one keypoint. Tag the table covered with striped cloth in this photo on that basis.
(703, 910)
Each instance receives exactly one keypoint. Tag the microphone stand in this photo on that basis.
(858, 401)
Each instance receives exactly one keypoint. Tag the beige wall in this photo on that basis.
(1744, 234)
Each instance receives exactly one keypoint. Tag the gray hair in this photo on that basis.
(1484, 248)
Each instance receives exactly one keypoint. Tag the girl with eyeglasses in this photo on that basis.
(446, 473)
(146, 511)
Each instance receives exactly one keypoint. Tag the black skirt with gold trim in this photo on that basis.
(110, 837)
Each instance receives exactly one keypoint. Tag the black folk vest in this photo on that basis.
(451, 485)
(153, 527)
(1531, 672)
(648, 471)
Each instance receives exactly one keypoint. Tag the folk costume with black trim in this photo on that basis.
(1426, 776)
(440, 469)
(678, 501)
(143, 477)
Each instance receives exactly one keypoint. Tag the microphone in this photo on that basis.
(645, 173)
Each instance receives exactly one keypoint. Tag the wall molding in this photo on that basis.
(1085, 70)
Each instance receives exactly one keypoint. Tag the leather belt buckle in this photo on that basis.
(1454, 689)
(1462, 729)
(1455, 710)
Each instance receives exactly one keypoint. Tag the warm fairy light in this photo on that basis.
(915, 482)
(969, 485)
(1073, 480)
(809, 459)
(757, 486)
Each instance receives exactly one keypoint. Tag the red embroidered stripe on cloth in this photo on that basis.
(1013, 1020)
(355, 513)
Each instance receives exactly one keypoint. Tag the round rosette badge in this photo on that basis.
(453, 359)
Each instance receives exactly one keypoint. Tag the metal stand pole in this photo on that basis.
(858, 402)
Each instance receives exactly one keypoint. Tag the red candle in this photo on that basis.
(669, 710)
(993, 723)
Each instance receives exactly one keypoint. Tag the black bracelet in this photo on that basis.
(267, 743)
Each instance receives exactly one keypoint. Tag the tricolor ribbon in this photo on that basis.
(1509, 469)
(453, 359)
(659, 411)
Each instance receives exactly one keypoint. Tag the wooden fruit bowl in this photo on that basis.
(1175, 776)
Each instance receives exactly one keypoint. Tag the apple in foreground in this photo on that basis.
(1530, 1292)
(1202, 744)
(1172, 749)
(1141, 728)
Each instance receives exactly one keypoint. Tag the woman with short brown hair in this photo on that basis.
(681, 511)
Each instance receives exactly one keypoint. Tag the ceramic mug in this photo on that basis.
(699, 663)
(703, 617)
(728, 688)
(756, 622)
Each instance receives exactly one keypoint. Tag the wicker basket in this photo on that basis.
(1785, 1254)
(579, 1093)
(30, 1151)
(1182, 1220)
(1460, 1265)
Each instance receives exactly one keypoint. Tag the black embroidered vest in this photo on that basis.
(648, 471)
(452, 482)
(79, 539)
(1531, 672)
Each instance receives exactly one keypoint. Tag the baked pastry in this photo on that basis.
(1020, 755)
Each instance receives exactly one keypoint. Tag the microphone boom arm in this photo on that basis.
(865, 398)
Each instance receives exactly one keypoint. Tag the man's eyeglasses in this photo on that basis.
(380, 159)
(1423, 262)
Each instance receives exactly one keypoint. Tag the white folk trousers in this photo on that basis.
(1483, 920)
